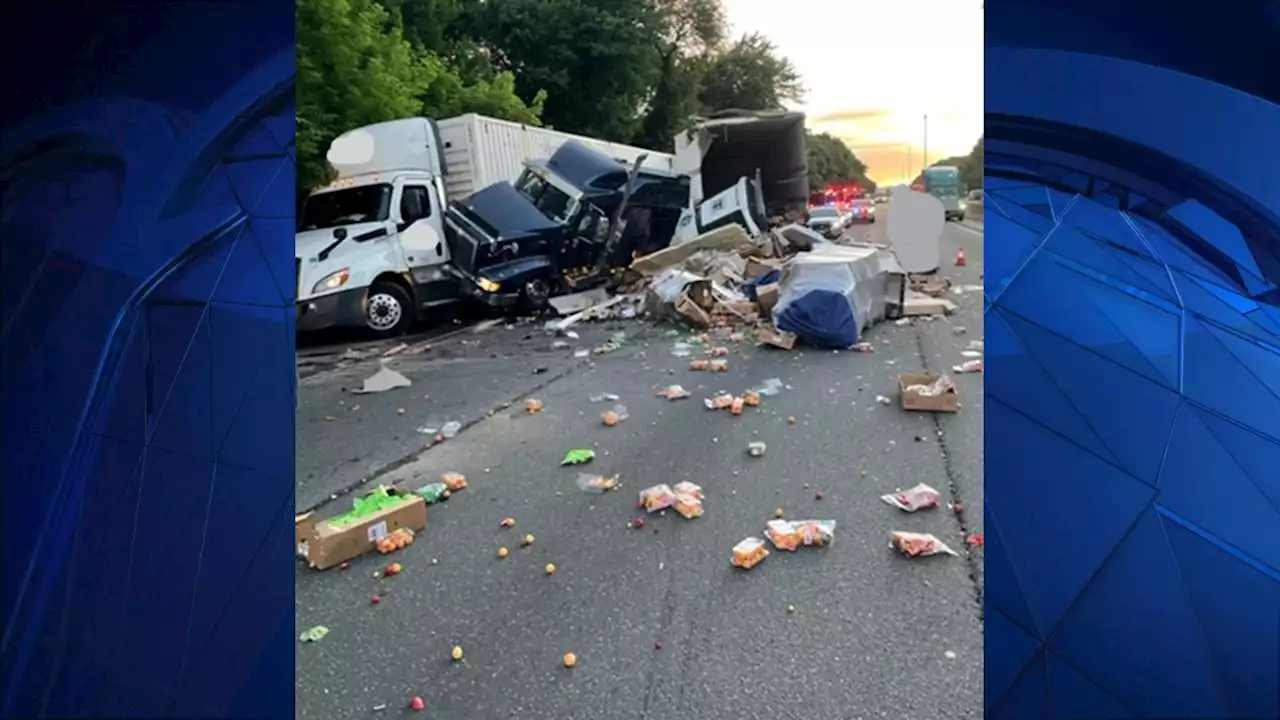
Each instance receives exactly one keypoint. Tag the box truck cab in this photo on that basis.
(565, 223)
(369, 249)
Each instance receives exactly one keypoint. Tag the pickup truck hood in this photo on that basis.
(309, 243)
(505, 214)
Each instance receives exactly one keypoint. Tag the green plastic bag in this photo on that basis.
(382, 498)
(580, 456)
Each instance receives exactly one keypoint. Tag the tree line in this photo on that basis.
(630, 71)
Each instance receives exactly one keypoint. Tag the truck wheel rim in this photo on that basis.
(536, 290)
(384, 312)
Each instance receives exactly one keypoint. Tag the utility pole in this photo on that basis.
(925, 166)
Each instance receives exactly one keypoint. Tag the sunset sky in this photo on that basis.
(872, 70)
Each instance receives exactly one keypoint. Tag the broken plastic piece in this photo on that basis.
(578, 456)
(748, 553)
(917, 498)
(597, 483)
(602, 397)
(756, 448)
(718, 352)
(972, 366)
(918, 544)
(658, 497)
(451, 429)
(719, 365)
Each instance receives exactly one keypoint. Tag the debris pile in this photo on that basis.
(786, 285)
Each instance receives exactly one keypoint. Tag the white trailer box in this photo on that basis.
(480, 151)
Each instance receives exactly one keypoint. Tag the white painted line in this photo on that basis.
(966, 228)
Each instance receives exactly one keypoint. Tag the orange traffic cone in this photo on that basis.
(960, 257)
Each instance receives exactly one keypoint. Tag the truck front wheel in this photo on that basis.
(534, 295)
(388, 311)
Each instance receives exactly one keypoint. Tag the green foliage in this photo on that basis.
(750, 75)
(355, 67)
(687, 32)
(634, 71)
(831, 161)
(596, 59)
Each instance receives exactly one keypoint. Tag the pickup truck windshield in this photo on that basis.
(367, 203)
(549, 200)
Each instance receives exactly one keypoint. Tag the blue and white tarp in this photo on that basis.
(830, 295)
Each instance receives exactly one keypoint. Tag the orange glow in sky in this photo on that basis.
(874, 69)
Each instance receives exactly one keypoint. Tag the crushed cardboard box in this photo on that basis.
(776, 338)
(324, 545)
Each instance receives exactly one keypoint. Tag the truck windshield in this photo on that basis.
(367, 203)
(550, 200)
(942, 181)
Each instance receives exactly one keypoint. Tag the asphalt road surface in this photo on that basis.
(663, 627)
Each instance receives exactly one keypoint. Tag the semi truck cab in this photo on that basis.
(370, 248)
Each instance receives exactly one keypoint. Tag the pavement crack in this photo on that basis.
(546, 379)
(971, 559)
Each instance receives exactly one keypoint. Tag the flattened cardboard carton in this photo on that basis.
(777, 338)
(322, 545)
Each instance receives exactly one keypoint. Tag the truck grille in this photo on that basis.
(462, 249)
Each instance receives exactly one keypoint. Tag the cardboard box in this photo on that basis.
(913, 399)
(756, 267)
(692, 312)
(767, 297)
(323, 545)
(777, 338)
(916, 304)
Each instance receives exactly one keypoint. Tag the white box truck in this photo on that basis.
(370, 249)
